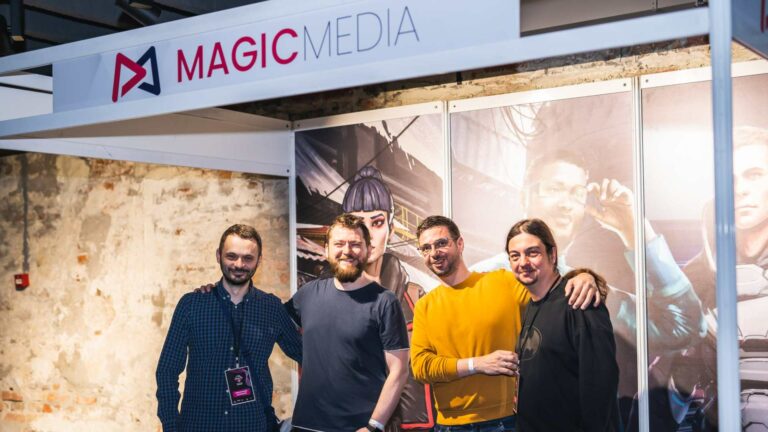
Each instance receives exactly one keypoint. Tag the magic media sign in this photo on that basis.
(339, 37)
(344, 35)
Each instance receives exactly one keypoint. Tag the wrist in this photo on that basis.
(471, 365)
(375, 426)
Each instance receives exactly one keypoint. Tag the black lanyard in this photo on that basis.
(237, 333)
(524, 339)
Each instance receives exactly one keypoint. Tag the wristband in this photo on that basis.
(471, 365)
(376, 425)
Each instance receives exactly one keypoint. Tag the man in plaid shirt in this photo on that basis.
(224, 338)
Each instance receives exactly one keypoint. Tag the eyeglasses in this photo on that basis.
(437, 245)
(557, 190)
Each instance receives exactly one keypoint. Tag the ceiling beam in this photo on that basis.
(102, 12)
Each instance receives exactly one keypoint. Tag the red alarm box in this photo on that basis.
(21, 281)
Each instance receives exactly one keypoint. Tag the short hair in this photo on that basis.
(550, 157)
(368, 192)
(439, 221)
(749, 135)
(245, 232)
(534, 227)
(352, 222)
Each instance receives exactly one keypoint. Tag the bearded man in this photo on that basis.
(355, 341)
(223, 337)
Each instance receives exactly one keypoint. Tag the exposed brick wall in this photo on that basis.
(532, 75)
(113, 246)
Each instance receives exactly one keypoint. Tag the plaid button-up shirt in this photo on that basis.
(200, 337)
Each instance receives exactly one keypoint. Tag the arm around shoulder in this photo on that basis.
(289, 338)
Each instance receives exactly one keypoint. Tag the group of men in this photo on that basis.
(473, 338)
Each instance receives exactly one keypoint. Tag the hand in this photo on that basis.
(205, 288)
(362, 429)
(614, 210)
(582, 290)
(497, 363)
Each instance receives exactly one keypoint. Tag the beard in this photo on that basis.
(346, 274)
(235, 276)
(448, 266)
(529, 280)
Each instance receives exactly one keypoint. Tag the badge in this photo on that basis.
(239, 385)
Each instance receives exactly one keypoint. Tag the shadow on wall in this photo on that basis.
(112, 246)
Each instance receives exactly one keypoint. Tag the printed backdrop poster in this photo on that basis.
(389, 172)
(679, 198)
(570, 163)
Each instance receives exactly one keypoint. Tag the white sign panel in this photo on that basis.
(366, 32)
(750, 24)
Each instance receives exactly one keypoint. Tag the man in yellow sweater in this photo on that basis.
(465, 331)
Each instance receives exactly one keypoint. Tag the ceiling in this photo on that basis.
(27, 25)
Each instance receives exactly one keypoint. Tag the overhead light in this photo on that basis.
(141, 4)
(142, 11)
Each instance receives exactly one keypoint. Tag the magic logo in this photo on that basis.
(139, 74)
(366, 31)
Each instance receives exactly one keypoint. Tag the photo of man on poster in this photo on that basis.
(591, 214)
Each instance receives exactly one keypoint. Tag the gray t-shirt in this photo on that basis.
(345, 334)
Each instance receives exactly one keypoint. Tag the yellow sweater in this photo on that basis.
(475, 318)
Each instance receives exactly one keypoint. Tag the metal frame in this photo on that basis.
(426, 108)
(714, 21)
(632, 86)
(368, 116)
(728, 382)
(641, 271)
(687, 76)
(447, 163)
(666, 26)
(543, 95)
(136, 141)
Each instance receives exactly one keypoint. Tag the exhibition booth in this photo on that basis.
(651, 162)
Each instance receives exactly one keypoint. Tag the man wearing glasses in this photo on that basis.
(465, 333)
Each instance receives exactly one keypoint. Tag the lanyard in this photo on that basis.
(237, 333)
(523, 340)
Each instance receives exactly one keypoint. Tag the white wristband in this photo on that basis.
(377, 424)
(471, 365)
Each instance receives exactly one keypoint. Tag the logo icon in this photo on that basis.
(139, 73)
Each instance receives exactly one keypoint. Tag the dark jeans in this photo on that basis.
(498, 425)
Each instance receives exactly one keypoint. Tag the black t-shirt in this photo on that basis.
(568, 371)
(345, 334)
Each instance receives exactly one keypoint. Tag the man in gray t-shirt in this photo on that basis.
(355, 341)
